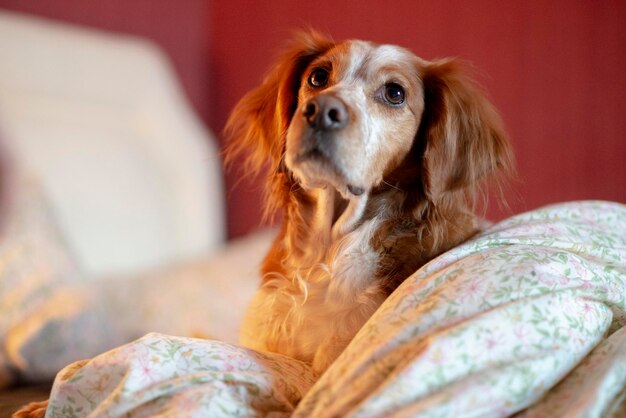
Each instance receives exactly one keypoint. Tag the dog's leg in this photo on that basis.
(32, 410)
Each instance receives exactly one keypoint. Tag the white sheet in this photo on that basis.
(486, 330)
(78, 319)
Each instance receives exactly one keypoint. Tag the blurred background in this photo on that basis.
(554, 69)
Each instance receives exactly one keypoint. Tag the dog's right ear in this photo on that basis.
(463, 135)
(257, 125)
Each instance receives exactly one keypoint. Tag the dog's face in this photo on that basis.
(358, 112)
(355, 114)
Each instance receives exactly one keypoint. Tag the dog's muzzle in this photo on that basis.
(323, 116)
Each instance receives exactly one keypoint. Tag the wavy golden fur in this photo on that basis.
(368, 195)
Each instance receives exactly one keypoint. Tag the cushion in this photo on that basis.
(34, 261)
(205, 297)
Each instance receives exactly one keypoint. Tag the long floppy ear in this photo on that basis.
(462, 133)
(257, 125)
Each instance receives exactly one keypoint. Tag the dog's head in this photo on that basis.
(355, 114)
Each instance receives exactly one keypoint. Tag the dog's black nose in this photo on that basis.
(325, 113)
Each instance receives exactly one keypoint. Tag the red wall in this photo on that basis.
(553, 68)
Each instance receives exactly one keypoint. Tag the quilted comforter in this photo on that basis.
(527, 318)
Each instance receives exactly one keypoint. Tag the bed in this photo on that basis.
(527, 318)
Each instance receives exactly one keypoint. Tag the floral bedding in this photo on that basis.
(527, 318)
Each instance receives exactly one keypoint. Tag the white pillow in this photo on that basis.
(133, 177)
(33, 262)
(203, 298)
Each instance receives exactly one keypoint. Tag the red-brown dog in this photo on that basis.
(375, 158)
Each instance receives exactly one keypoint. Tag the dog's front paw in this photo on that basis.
(32, 410)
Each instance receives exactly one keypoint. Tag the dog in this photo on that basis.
(375, 158)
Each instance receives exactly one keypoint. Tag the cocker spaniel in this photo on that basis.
(375, 159)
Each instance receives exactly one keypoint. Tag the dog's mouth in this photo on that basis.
(320, 159)
(317, 164)
(314, 154)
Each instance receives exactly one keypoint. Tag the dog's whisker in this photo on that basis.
(391, 185)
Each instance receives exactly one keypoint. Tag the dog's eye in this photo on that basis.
(318, 78)
(394, 94)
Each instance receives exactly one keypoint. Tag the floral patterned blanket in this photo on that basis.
(527, 318)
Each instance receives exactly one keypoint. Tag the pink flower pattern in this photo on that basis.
(527, 318)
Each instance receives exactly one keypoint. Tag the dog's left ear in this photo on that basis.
(258, 123)
(462, 134)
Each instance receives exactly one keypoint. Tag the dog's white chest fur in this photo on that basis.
(313, 315)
